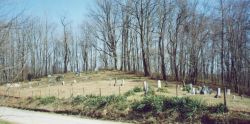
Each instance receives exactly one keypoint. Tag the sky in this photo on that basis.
(76, 11)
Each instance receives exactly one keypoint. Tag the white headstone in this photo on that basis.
(74, 81)
(49, 76)
(63, 82)
(145, 85)
(193, 91)
(159, 84)
(218, 92)
(228, 91)
(191, 86)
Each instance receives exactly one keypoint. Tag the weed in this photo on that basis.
(162, 90)
(78, 100)
(148, 104)
(47, 100)
(129, 93)
(220, 108)
(137, 89)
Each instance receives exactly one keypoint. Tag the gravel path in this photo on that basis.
(30, 117)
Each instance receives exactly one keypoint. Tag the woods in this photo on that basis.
(186, 41)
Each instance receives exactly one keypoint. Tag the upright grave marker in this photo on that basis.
(145, 87)
(159, 84)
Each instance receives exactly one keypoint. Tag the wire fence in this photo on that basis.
(67, 91)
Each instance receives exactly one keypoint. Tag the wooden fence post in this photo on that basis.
(82, 91)
(32, 93)
(72, 93)
(100, 90)
(49, 92)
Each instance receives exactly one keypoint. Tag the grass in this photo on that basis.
(4, 122)
(133, 99)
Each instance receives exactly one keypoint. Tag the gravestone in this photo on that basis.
(63, 82)
(218, 95)
(74, 81)
(159, 84)
(193, 91)
(145, 87)
(233, 97)
(115, 81)
(228, 91)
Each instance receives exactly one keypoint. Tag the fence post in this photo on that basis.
(100, 90)
(72, 93)
(82, 91)
(32, 93)
(49, 92)
(115, 81)
(19, 93)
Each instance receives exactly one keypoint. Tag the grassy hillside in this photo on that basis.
(158, 106)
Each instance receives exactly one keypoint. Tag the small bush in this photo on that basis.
(149, 104)
(162, 90)
(129, 93)
(78, 100)
(47, 100)
(151, 91)
(59, 78)
(187, 107)
(187, 88)
(102, 101)
(137, 89)
(220, 108)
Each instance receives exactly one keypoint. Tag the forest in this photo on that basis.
(189, 41)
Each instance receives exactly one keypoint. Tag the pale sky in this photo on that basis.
(75, 10)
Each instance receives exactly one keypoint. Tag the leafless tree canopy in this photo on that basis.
(182, 40)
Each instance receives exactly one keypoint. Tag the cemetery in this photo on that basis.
(119, 95)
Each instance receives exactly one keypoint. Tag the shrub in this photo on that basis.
(148, 104)
(102, 101)
(78, 100)
(47, 100)
(187, 88)
(129, 93)
(163, 90)
(220, 108)
(187, 107)
(151, 91)
(137, 89)
(59, 78)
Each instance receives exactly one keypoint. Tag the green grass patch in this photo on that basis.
(162, 90)
(137, 89)
(4, 122)
(47, 100)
